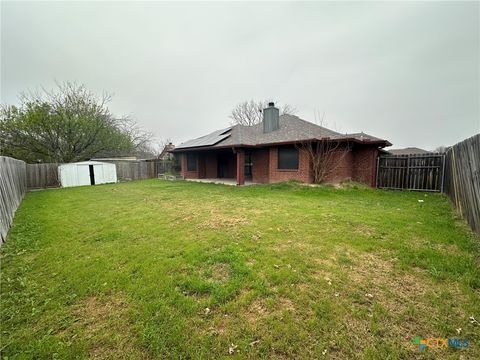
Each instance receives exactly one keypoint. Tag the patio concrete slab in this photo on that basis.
(232, 182)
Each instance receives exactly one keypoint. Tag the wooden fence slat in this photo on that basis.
(13, 185)
(141, 169)
(411, 172)
(42, 176)
(462, 179)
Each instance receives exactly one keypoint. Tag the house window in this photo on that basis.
(248, 164)
(191, 162)
(287, 158)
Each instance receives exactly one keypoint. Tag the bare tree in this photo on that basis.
(441, 149)
(324, 153)
(142, 140)
(249, 113)
(287, 109)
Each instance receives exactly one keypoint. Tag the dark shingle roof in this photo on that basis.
(292, 129)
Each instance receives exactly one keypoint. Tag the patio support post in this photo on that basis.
(240, 167)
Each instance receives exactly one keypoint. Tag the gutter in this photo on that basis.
(382, 143)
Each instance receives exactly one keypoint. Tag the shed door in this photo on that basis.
(99, 177)
(83, 175)
(91, 174)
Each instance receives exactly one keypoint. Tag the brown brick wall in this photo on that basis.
(260, 161)
(302, 174)
(365, 163)
(240, 167)
(341, 165)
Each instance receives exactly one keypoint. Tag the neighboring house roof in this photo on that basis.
(408, 151)
(166, 152)
(292, 129)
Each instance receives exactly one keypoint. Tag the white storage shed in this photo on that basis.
(87, 173)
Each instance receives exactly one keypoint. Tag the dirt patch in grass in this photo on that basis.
(219, 220)
(284, 303)
(219, 272)
(378, 277)
(220, 329)
(259, 310)
(328, 262)
(365, 230)
(209, 218)
(104, 324)
(255, 311)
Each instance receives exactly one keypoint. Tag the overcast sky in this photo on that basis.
(407, 72)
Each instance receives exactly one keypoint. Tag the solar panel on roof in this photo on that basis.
(207, 140)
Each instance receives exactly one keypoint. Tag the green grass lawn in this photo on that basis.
(158, 269)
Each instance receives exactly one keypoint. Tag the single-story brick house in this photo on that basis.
(270, 152)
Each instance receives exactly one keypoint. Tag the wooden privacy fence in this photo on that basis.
(157, 167)
(130, 170)
(142, 169)
(42, 176)
(462, 179)
(422, 172)
(46, 175)
(13, 185)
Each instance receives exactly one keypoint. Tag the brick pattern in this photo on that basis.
(341, 165)
(260, 168)
(302, 174)
(240, 167)
(365, 165)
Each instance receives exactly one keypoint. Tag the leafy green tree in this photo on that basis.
(66, 125)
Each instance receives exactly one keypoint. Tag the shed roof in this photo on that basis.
(88, 162)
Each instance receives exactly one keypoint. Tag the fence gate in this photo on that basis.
(423, 172)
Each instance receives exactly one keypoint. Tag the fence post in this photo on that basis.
(443, 173)
(408, 173)
(13, 181)
(455, 182)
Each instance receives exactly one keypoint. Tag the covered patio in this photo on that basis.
(222, 166)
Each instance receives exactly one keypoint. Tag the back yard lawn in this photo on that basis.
(157, 269)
